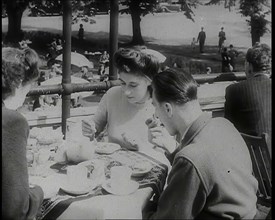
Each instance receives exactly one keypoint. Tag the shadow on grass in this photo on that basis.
(180, 56)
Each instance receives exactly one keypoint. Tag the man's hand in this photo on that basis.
(162, 139)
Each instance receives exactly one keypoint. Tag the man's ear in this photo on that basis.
(168, 109)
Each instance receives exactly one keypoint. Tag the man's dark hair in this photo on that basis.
(260, 57)
(175, 86)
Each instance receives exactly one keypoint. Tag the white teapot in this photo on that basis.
(80, 150)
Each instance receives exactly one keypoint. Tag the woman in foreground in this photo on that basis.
(19, 199)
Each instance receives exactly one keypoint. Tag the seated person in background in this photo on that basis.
(104, 58)
(232, 54)
(55, 70)
(211, 175)
(59, 46)
(208, 70)
(124, 109)
(103, 62)
(23, 44)
(248, 103)
(19, 199)
(226, 66)
(41, 78)
(84, 72)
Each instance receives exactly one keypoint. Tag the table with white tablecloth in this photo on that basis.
(98, 203)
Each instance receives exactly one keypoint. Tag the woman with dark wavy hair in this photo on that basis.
(19, 199)
(124, 109)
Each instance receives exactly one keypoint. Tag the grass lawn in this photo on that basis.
(169, 33)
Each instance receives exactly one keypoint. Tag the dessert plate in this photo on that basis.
(130, 188)
(77, 189)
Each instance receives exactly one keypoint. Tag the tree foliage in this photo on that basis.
(256, 10)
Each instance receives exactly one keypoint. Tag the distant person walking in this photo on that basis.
(222, 38)
(201, 40)
(81, 32)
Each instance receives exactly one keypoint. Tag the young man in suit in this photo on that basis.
(248, 103)
(222, 38)
(211, 175)
(201, 40)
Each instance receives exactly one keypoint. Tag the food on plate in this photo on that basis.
(46, 136)
(31, 143)
(141, 168)
(30, 158)
(106, 148)
(113, 164)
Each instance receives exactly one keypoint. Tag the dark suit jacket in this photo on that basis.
(248, 106)
(201, 36)
(18, 200)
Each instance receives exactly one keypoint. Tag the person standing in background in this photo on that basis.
(81, 32)
(222, 38)
(201, 40)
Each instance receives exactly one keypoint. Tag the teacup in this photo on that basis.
(120, 177)
(77, 174)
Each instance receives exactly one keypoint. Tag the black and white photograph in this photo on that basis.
(136, 109)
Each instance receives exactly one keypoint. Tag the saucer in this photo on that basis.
(77, 189)
(132, 186)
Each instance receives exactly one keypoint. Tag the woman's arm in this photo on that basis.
(93, 126)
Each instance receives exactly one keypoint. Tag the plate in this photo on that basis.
(77, 189)
(141, 169)
(106, 148)
(89, 164)
(132, 186)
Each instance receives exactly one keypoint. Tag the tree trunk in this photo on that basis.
(15, 33)
(137, 38)
(255, 35)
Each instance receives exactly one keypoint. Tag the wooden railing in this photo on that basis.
(214, 102)
(72, 88)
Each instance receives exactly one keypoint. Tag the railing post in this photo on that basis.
(66, 67)
(113, 42)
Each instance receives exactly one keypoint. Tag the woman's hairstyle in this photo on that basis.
(134, 61)
(174, 86)
(260, 57)
(18, 66)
